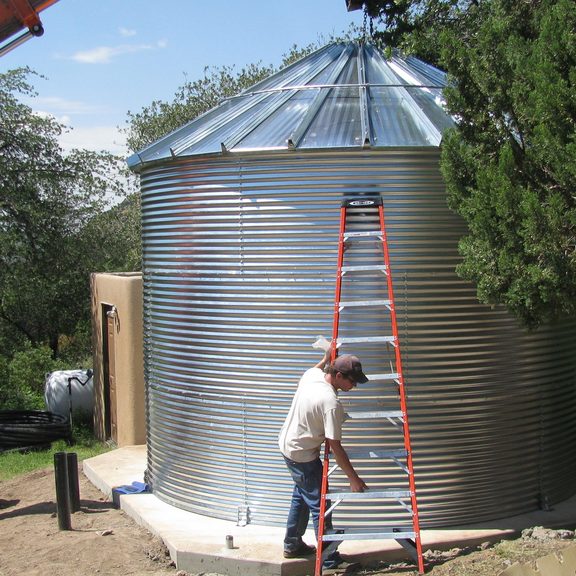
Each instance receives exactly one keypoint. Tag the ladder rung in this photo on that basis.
(383, 533)
(371, 268)
(389, 376)
(367, 339)
(368, 495)
(350, 303)
(368, 453)
(367, 234)
(367, 415)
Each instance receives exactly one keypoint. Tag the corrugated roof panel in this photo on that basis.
(431, 102)
(392, 120)
(277, 129)
(337, 124)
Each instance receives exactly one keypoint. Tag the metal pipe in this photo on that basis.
(15, 43)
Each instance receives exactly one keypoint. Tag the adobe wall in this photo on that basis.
(123, 293)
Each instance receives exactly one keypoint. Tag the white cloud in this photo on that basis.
(69, 113)
(58, 105)
(105, 54)
(95, 138)
(127, 32)
(60, 119)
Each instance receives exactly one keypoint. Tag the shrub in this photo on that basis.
(26, 376)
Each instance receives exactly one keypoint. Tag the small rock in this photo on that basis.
(434, 555)
(105, 532)
(485, 545)
(543, 534)
(430, 554)
(181, 573)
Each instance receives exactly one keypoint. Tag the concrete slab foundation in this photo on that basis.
(199, 543)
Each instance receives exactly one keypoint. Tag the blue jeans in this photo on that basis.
(307, 478)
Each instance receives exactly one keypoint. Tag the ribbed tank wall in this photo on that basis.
(239, 275)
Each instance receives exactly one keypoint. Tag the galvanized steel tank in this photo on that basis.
(240, 225)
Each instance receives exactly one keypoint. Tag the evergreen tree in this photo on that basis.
(510, 166)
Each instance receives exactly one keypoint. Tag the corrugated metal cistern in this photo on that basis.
(239, 276)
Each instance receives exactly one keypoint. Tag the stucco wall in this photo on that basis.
(123, 291)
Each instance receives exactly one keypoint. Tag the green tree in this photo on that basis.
(510, 166)
(416, 26)
(47, 198)
(113, 238)
(26, 371)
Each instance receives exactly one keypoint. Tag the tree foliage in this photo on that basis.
(510, 166)
(22, 379)
(417, 25)
(47, 199)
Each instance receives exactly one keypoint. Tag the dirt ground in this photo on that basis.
(106, 542)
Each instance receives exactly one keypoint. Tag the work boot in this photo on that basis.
(300, 552)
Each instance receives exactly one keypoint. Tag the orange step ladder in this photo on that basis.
(407, 532)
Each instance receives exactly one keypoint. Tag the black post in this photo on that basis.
(73, 482)
(70, 410)
(62, 491)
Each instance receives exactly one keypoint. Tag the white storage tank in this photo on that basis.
(68, 391)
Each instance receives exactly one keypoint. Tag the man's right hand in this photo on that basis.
(358, 485)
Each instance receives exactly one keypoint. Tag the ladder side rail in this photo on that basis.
(334, 352)
(401, 388)
(338, 295)
(322, 513)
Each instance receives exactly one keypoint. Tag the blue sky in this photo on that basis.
(102, 58)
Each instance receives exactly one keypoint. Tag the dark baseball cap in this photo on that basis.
(351, 367)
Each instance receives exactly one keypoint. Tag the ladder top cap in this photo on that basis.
(362, 202)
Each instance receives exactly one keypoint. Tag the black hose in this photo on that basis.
(29, 429)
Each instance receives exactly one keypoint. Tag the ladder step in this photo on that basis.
(383, 533)
(363, 202)
(371, 268)
(351, 303)
(372, 414)
(357, 340)
(360, 235)
(388, 376)
(365, 454)
(368, 495)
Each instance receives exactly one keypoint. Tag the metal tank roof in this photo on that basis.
(345, 95)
